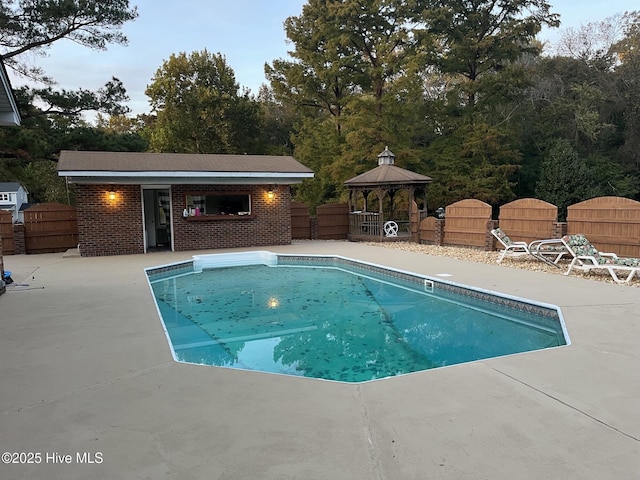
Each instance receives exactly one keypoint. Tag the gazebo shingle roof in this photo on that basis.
(387, 175)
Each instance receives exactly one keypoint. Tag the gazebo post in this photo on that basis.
(412, 191)
(380, 192)
(425, 198)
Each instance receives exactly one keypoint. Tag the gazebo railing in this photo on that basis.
(365, 223)
(371, 223)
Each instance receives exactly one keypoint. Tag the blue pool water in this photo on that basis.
(340, 320)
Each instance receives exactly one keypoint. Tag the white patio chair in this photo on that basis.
(511, 248)
(549, 251)
(586, 258)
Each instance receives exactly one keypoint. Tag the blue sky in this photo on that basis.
(247, 32)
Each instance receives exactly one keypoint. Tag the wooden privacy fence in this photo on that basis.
(427, 233)
(466, 223)
(50, 227)
(528, 219)
(6, 232)
(300, 221)
(612, 224)
(333, 221)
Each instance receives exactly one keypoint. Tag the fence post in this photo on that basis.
(559, 229)
(439, 233)
(18, 239)
(489, 238)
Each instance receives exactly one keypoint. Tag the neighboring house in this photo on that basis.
(15, 198)
(132, 203)
(9, 116)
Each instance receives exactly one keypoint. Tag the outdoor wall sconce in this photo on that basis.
(271, 193)
(112, 196)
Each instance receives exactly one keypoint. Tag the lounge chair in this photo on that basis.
(549, 251)
(586, 258)
(511, 248)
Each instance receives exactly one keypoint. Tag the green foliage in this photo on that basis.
(589, 101)
(354, 86)
(565, 178)
(28, 154)
(275, 124)
(456, 89)
(475, 161)
(476, 39)
(317, 146)
(626, 92)
(41, 179)
(108, 100)
(51, 119)
(198, 108)
(33, 25)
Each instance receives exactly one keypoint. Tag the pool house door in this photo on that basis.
(157, 218)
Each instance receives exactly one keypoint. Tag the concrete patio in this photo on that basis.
(85, 371)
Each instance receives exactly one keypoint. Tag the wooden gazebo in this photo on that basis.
(385, 181)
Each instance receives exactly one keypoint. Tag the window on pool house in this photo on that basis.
(218, 204)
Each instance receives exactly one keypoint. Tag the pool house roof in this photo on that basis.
(179, 168)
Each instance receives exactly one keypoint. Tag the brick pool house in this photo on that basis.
(130, 203)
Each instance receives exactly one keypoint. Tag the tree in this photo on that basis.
(29, 153)
(565, 178)
(32, 26)
(476, 161)
(585, 94)
(276, 124)
(593, 43)
(108, 99)
(353, 85)
(627, 87)
(479, 38)
(198, 108)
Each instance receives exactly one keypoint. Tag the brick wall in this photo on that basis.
(269, 223)
(107, 227)
(19, 241)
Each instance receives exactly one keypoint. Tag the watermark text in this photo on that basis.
(52, 458)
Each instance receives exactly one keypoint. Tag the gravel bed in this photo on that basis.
(481, 256)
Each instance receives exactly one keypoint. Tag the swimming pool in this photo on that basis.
(335, 318)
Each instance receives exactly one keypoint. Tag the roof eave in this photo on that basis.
(173, 178)
(11, 117)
